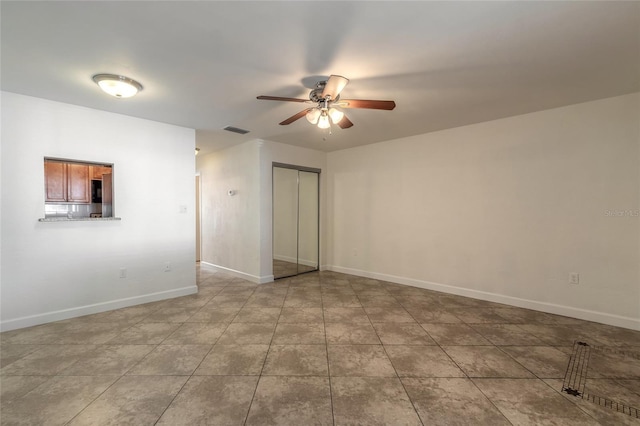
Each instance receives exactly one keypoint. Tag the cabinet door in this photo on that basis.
(96, 172)
(55, 178)
(78, 187)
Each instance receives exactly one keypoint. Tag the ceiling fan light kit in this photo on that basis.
(336, 115)
(313, 116)
(323, 121)
(326, 96)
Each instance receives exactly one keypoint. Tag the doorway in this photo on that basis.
(198, 229)
(296, 226)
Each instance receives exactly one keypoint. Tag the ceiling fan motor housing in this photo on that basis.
(325, 95)
(316, 94)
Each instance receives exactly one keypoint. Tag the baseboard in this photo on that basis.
(95, 308)
(569, 311)
(239, 274)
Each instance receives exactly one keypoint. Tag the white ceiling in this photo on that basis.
(202, 64)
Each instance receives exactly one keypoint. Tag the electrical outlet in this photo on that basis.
(574, 278)
(123, 272)
(167, 267)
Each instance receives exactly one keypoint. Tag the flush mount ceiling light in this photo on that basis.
(117, 85)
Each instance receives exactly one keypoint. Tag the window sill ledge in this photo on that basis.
(77, 219)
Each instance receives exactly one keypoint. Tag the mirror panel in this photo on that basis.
(285, 222)
(307, 221)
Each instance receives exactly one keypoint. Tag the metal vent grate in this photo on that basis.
(575, 378)
(576, 375)
(235, 130)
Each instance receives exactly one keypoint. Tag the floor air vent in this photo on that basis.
(235, 130)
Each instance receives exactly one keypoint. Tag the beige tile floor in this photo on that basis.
(321, 348)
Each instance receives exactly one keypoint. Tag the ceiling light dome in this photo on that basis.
(323, 121)
(117, 85)
(336, 115)
(313, 116)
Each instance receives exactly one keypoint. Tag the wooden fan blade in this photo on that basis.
(345, 123)
(278, 98)
(334, 86)
(364, 103)
(295, 117)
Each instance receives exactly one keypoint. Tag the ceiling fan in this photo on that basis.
(326, 97)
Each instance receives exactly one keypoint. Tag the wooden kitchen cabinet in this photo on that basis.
(67, 182)
(78, 185)
(98, 171)
(55, 181)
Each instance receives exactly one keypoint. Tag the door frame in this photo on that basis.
(198, 209)
(299, 169)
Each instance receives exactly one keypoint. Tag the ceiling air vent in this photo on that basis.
(236, 130)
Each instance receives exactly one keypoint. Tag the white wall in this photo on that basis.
(502, 210)
(237, 231)
(52, 271)
(231, 224)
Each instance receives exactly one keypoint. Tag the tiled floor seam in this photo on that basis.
(490, 401)
(570, 400)
(326, 348)
(194, 370)
(172, 399)
(394, 367)
(441, 348)
(465, 373)
(94, 400)
(264, 362)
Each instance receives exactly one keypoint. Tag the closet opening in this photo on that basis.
(296, 225)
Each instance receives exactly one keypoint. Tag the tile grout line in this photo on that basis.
(194, 370)
(458, 366)
(121, 376)
(499, 347)
(264, 361)
(571, 401)
(326, 341)
(391, 362)
(464, 372)
(260, 375)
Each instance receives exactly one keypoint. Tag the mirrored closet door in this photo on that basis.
(295, 220)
